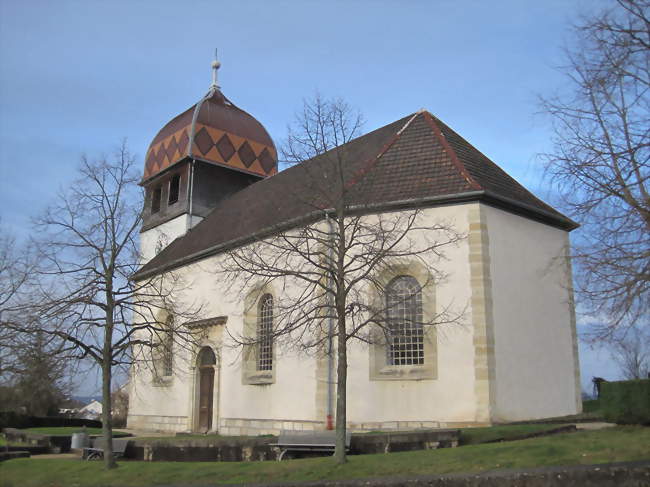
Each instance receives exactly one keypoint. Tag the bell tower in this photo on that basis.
(200, 157)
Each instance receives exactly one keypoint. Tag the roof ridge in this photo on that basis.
(487, 162)
(370, 163)
(451, 152)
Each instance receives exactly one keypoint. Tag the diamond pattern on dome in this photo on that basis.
(203, 141)
(160, 156)
(246, 154)
(171, 149)
(266, 160)
(182, 143)
(211, 143)
(225, 147)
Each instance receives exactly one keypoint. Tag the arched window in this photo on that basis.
(206, 357)
(265, 333)
(167, 364)
(404, 311)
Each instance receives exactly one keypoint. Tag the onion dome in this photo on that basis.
(213, 130)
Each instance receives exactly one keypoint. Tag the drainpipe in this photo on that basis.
(330, 356)
(189, 195)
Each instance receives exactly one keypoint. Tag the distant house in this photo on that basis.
(91, 411)
(69, 411)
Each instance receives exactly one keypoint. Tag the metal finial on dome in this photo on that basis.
(215, 66)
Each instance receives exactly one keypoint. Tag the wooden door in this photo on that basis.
(206, 391)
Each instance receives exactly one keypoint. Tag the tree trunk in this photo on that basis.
(341, 391)
(342, 345)
(107, 420)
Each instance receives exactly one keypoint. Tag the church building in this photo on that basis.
(212, 184)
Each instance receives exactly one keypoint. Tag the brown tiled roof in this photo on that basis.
(417, 160)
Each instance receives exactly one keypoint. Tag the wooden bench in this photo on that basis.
(309, 441)
(96, 451)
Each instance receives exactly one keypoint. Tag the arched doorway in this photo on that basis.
(206, 362)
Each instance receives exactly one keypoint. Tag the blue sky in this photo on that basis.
(78, 76)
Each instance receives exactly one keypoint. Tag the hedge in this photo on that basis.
(9, 419)
(626, 402)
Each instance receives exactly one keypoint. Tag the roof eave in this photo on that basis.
(431, 201)
(532, 212)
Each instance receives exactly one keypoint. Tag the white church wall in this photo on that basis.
(447, 399)
(163, 403)
(534, 329)
(287, 403)
(160, 406)
(532, 333)
(152, 241)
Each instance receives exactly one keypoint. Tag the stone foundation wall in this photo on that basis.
(254, 427)
(410, 425)
(234, 449)
(157, 423)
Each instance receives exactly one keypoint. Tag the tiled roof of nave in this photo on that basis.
(414, 158)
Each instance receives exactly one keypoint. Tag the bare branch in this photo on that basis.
(601, 163)
(326, 269)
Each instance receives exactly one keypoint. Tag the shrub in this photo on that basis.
(626, 402)
(10, 419)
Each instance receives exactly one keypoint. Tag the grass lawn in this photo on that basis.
(473, 436)
(3, 442)
(69, 430)
(623, 443)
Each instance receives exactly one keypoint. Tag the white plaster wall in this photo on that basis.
(165, 233)
(449, 397)
(535, 374)
(291, 397)
(532, 333)
(149, 399)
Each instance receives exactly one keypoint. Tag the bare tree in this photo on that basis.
(35, 380)
(16, 265)
(38, 382)
(601, 161)
(632, 354)
(84, 297)
(326, 263)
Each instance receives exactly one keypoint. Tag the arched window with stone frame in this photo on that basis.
(405, 334)
(404, 346)
(265, 333)
(259, 360)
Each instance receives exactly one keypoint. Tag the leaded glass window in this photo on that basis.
(404, 311)
(168, 348)
(265, 333)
